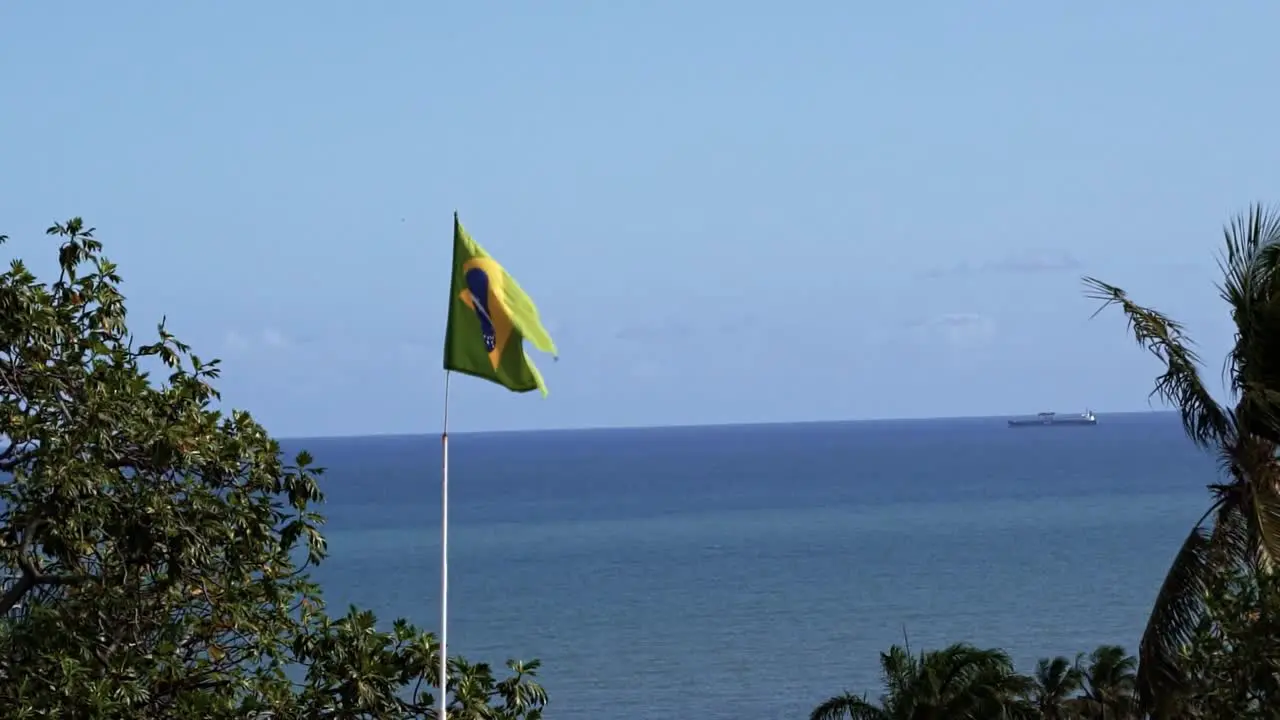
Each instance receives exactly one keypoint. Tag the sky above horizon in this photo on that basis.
(725, 212)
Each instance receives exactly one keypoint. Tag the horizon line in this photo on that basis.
(693, 426)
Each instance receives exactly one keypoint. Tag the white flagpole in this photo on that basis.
(444, 555)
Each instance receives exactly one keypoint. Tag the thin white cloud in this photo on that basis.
(235, 342)
(648, 369)
(958, 331)
(273, 338)
(673, 330)
(239, 343)
(1023, 262)
(412, 350)
(1034, 261)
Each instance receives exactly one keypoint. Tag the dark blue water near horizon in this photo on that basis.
(755, 570)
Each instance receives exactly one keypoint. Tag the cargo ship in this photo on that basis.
(1048, 419)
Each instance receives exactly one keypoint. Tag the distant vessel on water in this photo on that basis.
(1048, 419)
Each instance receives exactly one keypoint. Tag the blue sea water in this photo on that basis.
(753, 571)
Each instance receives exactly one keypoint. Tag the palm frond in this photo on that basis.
(1258, 409)
(1250, 264)
(1232, 541)
(899, 670)
(1251, 240)
(847, 707)
(1056, 680)
(1246, 534)
(956, 665)
(1177, 610)
(1111, 671)
(1262, 499)
(1248, 259)
(1204, 420)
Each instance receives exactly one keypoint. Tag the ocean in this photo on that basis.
(753, 571)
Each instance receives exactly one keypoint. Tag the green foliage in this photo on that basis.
(1054, 687)
(1241, 528)
(1110, 685)
(962, 682)
(149, 541)
(1211, 648)
(1234, 654)
(1232, 662)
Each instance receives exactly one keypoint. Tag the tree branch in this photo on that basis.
(32, 575)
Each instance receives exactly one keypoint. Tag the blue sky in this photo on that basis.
(727, 212)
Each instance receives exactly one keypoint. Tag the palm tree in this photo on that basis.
(957, 683)
(1055, 684)
(1109, 682)
(1241, 528)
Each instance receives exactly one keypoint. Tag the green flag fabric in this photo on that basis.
(490, 317)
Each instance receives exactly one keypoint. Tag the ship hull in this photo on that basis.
(1053, 423)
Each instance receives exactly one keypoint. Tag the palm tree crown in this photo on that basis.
(958, 682)
(1056, 683)
(1241, 528)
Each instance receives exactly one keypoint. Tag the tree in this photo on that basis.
(960, 682)
(1108, 682)
(1056, 683)
(150, 540)
(1241, 529)
(1234, 654)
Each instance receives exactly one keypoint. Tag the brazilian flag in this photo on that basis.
(489, 318)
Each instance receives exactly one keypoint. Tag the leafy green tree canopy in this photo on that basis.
(152, 548)
(1233, 657)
